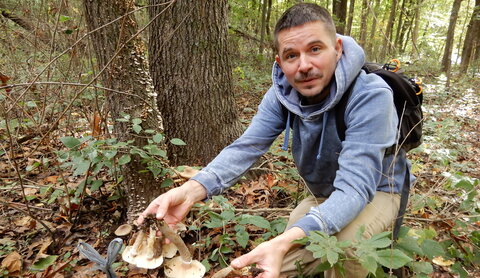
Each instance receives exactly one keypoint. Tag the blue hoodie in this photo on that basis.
(348, 173)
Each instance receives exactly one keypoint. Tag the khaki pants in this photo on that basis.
(378, 216)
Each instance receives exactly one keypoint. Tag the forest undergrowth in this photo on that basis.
(40, 226)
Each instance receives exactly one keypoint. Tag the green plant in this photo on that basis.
(234, 228)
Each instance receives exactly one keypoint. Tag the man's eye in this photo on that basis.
(316, 49)
(290, 56)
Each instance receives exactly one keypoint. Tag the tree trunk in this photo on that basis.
(269, 14)
(400, 26)
(363, 24)
(387, 44)
(127, 72)
(351, 12)
(471, 38)
(416, 25)
(263, 26)
(447, 53)
(191, 71)
(370, 43)
(340, 15)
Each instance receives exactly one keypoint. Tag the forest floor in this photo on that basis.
(441, 201)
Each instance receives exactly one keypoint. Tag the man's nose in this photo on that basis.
(305, 64)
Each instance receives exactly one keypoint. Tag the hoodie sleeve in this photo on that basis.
(234, 160)
(371, 123)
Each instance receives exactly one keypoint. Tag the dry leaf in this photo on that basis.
(442, 262)
(13, 262)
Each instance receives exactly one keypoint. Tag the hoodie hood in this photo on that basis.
(348, 67)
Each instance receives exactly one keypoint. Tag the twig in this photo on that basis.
(259, 210)
(441, 219)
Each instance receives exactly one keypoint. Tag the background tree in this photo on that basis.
(191, 70)
(472, 38)
(351, 12)
(122, 52)
(339, 9)
(447, 53)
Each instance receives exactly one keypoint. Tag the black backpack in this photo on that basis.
(408, 97)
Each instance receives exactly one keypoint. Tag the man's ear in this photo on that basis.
(339, 48)
(277, 59)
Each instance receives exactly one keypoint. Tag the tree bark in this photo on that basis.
(128, 72)
(191, 70)
(263, 26)
(340, 15)
(416, 24)
(472, 40)
(351, 12)
(363, 24)
(369, 48)
(447, 53)
(387, 44)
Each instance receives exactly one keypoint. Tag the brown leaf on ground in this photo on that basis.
(12, 263)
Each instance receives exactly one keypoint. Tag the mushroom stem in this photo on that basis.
(223, 272)
(138, 242)
(178, 241)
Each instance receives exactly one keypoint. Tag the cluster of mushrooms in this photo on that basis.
(149, 250)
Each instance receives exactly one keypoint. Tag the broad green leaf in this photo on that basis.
(137, 128)
(392, 258)
(166, 183)
(332, 257)
(137, 121)
(323, 267)
(110, 154)
(227, 215)
(369, 263)
(70, 142)
(255, 220)
(54, 196)
(421, 267)
(242, 238)
(124, 159)
(157, 138)
(178, 142)
(96, 185)
(81, 167)
(432, 248)
(409, 245)
(43, 263)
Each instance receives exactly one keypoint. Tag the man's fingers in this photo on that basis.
(242, 261)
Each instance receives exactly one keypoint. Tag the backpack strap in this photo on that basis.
(340, 111)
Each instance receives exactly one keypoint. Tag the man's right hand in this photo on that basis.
(174, 205)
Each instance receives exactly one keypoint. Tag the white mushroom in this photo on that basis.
(144, 253)
(130, 252)
(169, 250)
(183, 266)
(123, 230)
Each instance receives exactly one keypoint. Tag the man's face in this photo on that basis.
(308, 55)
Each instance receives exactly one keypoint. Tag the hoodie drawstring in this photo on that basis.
(287, 133)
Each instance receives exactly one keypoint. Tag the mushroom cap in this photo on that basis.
(178, 268)
(123, 230)
(128, 256)
(169, 250)
(188, 172)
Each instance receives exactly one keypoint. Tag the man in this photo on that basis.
(353, 183)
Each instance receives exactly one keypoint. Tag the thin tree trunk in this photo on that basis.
(416, 24)
(191, 71)
(471, 38)
(401, 19)
(127, 72)
(387, 43)
(340, 15)
(446, 60)
(264, 24)
(369, 48)
(363, 24)
(351, 12)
